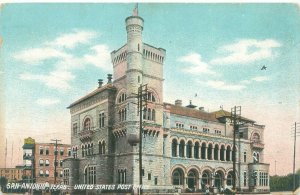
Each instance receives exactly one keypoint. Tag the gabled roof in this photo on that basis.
(190, 112)
(96, 91)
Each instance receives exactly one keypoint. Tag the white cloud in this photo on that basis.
(197, 66)
(38, 55)
(246, 51)
(71, 40)
(47, 101)
(99, 58)
(221, 85)
(57, 79)
(260, 78)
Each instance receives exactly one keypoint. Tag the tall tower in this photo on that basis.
(134, 72)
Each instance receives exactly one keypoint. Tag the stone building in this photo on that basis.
(39, 161)
(182, 145)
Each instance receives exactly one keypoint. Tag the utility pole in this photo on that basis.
(142, 97)
(295, 141)
(55, 158)
(235, 116)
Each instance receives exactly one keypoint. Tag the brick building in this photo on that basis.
(39, 161)
(12, 174)
(182, 146)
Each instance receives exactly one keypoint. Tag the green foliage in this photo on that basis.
(283, 183)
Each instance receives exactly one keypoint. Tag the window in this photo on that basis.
(41, 150)
(245, 156)
(122, 98)
(150, 97)
(122, 114)
(47, 173)
(75, 128)
(91, 175)
(47, 163)
(149, 176)
(155, 180)
(122, 176)
(174, 147)
(255, 137)
(177, 177)
(179, 125)
(66, 176)
(229, 178)
(102, 147)
(61, 174)
(205, 130)
(41, 162)
(217, 132)
(101, 120)
(47, 150)
(245, 178)
(143, 172)
(61, 151)
(87, 124)
(55, 163)
(41, 173)
(69, 152)
(193, 127)
(61, 163)
(75, 152)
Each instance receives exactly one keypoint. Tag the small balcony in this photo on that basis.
(86, 134)
(257, 145)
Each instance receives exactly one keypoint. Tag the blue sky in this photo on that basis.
(53, 54)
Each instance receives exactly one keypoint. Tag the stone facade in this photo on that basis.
(182, 146)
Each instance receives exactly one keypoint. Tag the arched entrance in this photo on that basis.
(192, 179)
(177, 177)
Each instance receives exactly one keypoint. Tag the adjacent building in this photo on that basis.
(182, 146)
(12, 174)
(39, 161)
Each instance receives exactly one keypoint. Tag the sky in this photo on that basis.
(52, 54)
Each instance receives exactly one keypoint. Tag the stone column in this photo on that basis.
(206, 150)
(230, 155)
(219, 154)
(212, 153)
(199, 183)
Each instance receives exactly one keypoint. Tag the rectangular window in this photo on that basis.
(245, 156)
(193, 127)
(61, 163)
(155, 181)
(218, 132)
(205, 130)
(47, 151)
(61, 151)
(41, 150)
(245, 178)
(66, 176)
(101, 120)
(179, 125)
(149, 176)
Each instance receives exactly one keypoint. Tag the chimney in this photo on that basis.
(100, 82)
(201, 108)
(178, 102)
(109, 78)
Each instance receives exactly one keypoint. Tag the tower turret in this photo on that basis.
(134, 73)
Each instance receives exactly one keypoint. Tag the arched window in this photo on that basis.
(191, 180)
(229, 178)
(177, 177)
(189, 149)
(222, 156)
(203, 150)
(87, 124)
(47, 173)
(181, 148)
(41, 162)
(205, 178)
(256, 137)
(228, 150)
(122, 97)
(100, 147)
(41, 173)
(174, 147)
(196, 150)
(216, 152)
(149, 114)
(153, 115)
(144, 113)
(209, 152)
(150, 97)
(47, 162)
(103, 147)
